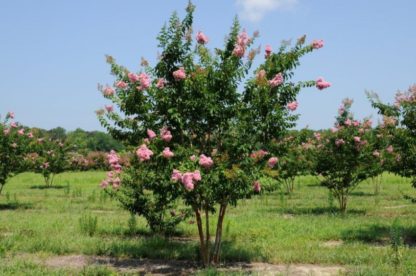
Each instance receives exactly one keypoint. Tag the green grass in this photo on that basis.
(271, 228)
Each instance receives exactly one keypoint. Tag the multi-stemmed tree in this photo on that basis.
(196, 136)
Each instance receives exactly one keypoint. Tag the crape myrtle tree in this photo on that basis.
(196, 137)
(48, 157)
(345, 155)
(399, 121)
(14, 142)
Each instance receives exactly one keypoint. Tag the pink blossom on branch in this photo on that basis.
(322, 84)
(121, 84)
(165, 134)
(292, 106)
(257, 186)
(179, 74)
(205, 161)
(317, 44)
(151, 134)
(167, 153)
(201, 38)
(133, 77)
(277, 80)
(268, 51)
(109, 108)
(144, 153)
(108, 91)
(160, 83)
(272, 161)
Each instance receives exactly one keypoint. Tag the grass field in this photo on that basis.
(38, 224)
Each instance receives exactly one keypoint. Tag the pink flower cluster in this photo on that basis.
(316, 44)
(268, 51)
(10, 115)
(179, 74)
(240, 46)
(144, 80)
(277, 80)
(292, 105)
(339, 142)
(205, 161)
(113, 176)
(109, 108)
(272, 162)
(188, 179)
(257, 186)
(151, 134)
(121, 84)
(322, 84)
(201, 38)
(165, 134)
(108, 91)
(257, 155)
(167, 153)
(144, 153)
(161, 83)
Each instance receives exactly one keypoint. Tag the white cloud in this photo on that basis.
(254, 10)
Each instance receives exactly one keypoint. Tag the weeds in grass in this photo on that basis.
(88, 224)
(132, 224)
(396, 241)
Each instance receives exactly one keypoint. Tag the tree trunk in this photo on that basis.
(218, 236)
(207, 235)
(342, 198)
(203, 247)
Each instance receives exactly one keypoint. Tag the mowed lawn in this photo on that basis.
(37, 224)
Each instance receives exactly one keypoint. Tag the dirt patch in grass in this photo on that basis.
(333, 243)
(397, 206)
(178, 267)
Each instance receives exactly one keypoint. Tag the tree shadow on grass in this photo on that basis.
(360, 193)
(159, 248)
(320, 211)
(379, 234)
(44, 187)
(15, 206)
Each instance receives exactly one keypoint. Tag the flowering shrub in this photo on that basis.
(212, 139)
(47, 157)
(14, 142)
(345, 155)
(399, 124)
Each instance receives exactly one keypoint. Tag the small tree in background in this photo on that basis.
(345, 155)
(14, 142)
(196, 136)
(48, 157)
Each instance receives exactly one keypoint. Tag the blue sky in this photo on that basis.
(52, 52)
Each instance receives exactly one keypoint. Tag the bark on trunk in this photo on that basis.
(218, 235)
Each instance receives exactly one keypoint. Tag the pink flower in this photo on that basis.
(167, 153)
(179, 74)
(21, 131)
(196, 175)
(165, 134)
(104, 184)
(348, 122)
(6, 131)
(116, 182)
(151, 134)
(376, 153)
(121, 84)
(30, 135)
(110, 174)
(192, 158)
(13, 125)
(205, 161)
(144, 81)
(257, 186)
(187, 181)
(45, 165)
(390, 149)
(239, 51)
(357, 139)
(316, 44)
(243, 38)
(144, 153)
(258, 154)
(272, 161)
(133, 77)
(201, 38)
(268, 51)
(322, 84)
(317, 136)
(367, 123)
(108, 91)
(356, 123)
(109, 108)
(160, 83)
(176, 175)
(339, 142)
(292, 106)
(277, 80)
(334, 129)
(10, 115)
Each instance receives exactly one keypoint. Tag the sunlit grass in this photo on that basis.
(273, 228)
